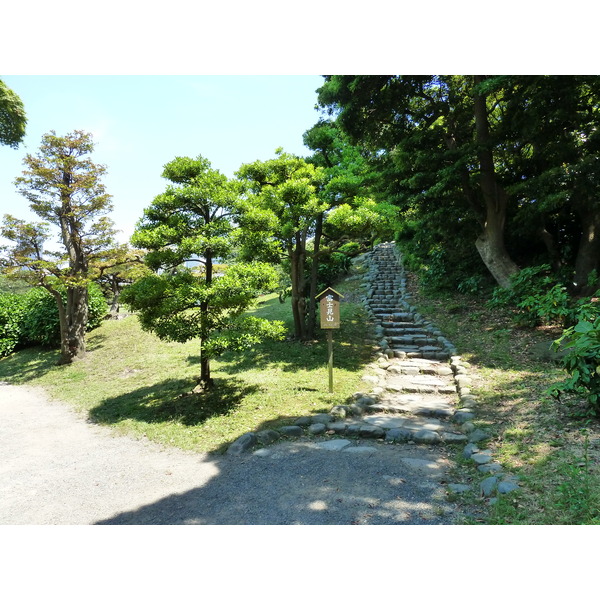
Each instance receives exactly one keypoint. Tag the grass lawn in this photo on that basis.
(135, 383)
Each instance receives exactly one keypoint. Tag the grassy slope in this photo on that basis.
(135, 383)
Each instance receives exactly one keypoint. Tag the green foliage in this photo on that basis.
(364, 219)
(12, 117)
(332, 268)
(171, 306)
(537, 297)
(32, 318)
(473, 285)
(64, 189)
(12, 311)
(42, 324)
(581, 361)
(535, 137)
(193, 222)
(577, 496)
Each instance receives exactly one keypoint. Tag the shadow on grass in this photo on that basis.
(167, 401)
(28, 364)
(350, 353)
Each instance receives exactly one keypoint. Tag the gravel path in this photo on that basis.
(58, 469)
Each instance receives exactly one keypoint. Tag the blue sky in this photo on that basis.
(139, 123)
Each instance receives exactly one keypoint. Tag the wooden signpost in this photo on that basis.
(329, 309)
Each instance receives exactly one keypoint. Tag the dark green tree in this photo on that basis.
(186, 231)
(552, 128)
(288, 211)
(433, 135)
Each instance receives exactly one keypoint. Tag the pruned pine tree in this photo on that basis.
(187, 231)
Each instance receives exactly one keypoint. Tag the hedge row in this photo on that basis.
(31, 319)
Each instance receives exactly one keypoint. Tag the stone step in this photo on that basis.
(421, 405)
(403, 329)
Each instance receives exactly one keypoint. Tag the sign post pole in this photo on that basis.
(329, 308)
(330, 360)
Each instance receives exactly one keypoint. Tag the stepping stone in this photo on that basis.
(419, 405)
(334, 445)
(385, 421)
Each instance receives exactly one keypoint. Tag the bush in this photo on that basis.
(582, 362)
(12, 311)
(537, 297)
(42, 325)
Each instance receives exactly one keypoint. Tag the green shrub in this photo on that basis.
(12, 311)
(537, 297)
(41, 324)
(582, 362)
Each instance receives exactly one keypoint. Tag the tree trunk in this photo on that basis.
(314, 272)
(588, 253)
(73, 322)
(296, 255)
(114, 306)
(490, 243)
(206, 381)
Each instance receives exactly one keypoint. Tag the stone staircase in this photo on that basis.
(420, 389)
(415, 395)
(404, 333)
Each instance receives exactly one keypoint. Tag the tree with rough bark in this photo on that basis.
(508, 161)
(553, 123)
(64, 188)
(187, 231)
(13, 119)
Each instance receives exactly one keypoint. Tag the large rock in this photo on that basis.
(242, 444)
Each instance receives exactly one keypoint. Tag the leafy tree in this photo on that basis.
(435, 137)
(122, 267)
(194, 223)
(284, 192)
(510, 161)
(64, 189)
(552, 124)
(12, 117)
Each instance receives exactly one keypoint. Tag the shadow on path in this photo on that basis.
(300, 483)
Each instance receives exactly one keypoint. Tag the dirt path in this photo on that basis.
(56, 468)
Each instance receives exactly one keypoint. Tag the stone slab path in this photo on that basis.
(417, 390)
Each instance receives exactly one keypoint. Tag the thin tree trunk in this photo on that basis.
(206, 381)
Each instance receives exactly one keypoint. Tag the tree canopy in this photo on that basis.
(64, 188)
(195, 222)
(12, 117)
(505, 160)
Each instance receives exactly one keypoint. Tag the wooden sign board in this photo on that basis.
(329, 309)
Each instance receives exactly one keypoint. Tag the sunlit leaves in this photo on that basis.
(12, 117)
